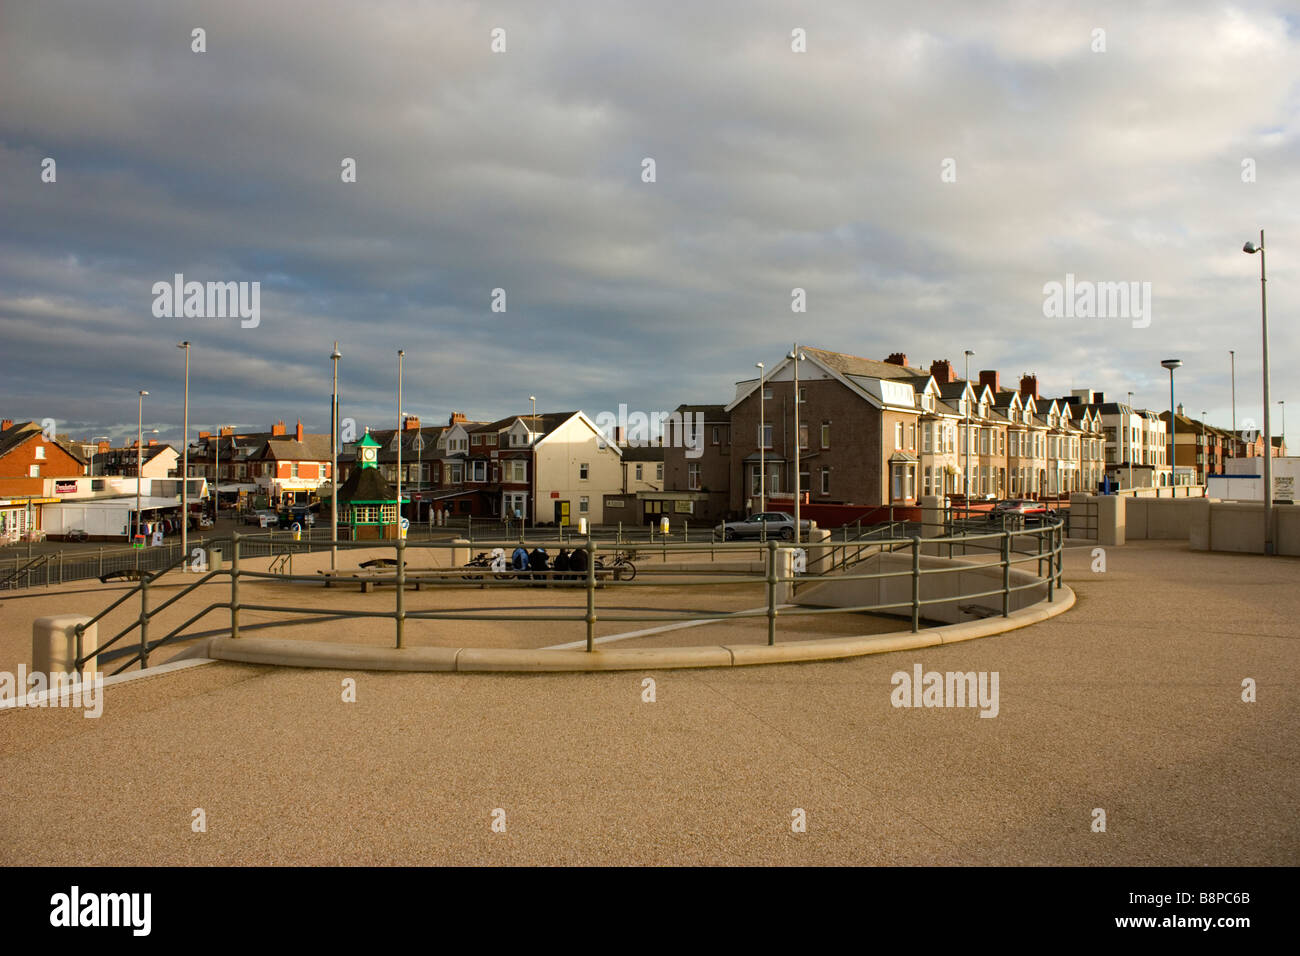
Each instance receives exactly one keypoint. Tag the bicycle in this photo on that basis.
(492, 562)
(621, 565)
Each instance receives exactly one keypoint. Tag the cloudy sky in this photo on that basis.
(1123, 155)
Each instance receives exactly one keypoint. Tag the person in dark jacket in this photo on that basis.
(538, 562)
(562, 564)
(578, 564)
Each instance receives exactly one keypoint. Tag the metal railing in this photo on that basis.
(1042, 547)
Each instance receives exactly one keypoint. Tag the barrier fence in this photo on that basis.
(785, 565)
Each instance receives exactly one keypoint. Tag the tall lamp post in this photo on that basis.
(1205, 453)
(95, 439)
(1250, 249)
(532, 464)
(762, 434)
(1232, 358)
(1172, 364)
(796, 355)
(334, 460)
(139, 456)
(401, 426)
(1128, 438)
(966, 404)
(185, 465)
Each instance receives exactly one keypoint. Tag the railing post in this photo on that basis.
(1006, 573)
(590, 548)
(400, 616)
(1051, 569)
(144, 623)
(101, 561)
(771, 593)
(1060, 557)
(916, 584)
(234, 584)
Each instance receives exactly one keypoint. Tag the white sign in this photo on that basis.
(799, 561)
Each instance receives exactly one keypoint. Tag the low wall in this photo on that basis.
(1162, 519)
(946, 589)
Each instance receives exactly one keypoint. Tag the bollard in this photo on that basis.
(64, 645)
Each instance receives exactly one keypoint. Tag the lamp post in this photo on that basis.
(1205, 452)
(1283, 404)
(139, 456)
(1232, 358)
(401, 426)
(1172, 364)
(334, 460)
(796, 355)
(185, 465)
(1250, 249)
(966, 404)
(762, 435)
(532, 463)
(1128, 438)
(95, 439)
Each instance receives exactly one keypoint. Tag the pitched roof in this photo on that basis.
(857, 365)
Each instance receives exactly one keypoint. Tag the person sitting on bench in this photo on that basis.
(562, 564)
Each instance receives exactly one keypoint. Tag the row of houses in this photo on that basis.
(870, 433)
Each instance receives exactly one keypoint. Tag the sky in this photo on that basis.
(922, 171)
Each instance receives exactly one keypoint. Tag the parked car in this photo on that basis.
(1032, 512)
(778, 524)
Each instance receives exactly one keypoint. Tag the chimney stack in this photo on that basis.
(897, 358)
(297, 432)
(1029, 385)
(278, 428)
(152, 442)
(991, 378)
(942, 371)
(226, 432)
(456, 417)
(412, 422)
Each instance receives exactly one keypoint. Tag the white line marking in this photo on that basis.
(572, 645)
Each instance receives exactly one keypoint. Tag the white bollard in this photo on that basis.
(54, 645)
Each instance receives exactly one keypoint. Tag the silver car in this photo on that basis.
(771, 524)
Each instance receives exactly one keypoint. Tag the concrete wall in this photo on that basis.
(1161, 519)
(1205, 523)
(946, 588)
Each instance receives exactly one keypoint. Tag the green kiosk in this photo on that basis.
(367, 503)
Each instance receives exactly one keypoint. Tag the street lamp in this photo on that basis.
(1232, 357)
(762, 434)
(796, 355)
(1250, 249)
(966, 403)
(139, 456)
(185, 465)
(1128, 438)
(1172, 364)
(95, 439)
(401, 426)
(1205, 453)
(334, 460)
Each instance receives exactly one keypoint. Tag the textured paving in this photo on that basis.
(1131, 702)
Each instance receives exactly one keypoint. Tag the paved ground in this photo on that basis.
(1131, 702)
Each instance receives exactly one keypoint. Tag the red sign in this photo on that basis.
(65, 487)
(555, 494)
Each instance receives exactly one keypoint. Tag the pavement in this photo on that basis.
(1130, 703)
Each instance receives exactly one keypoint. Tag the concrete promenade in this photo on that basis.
(1130, 702)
